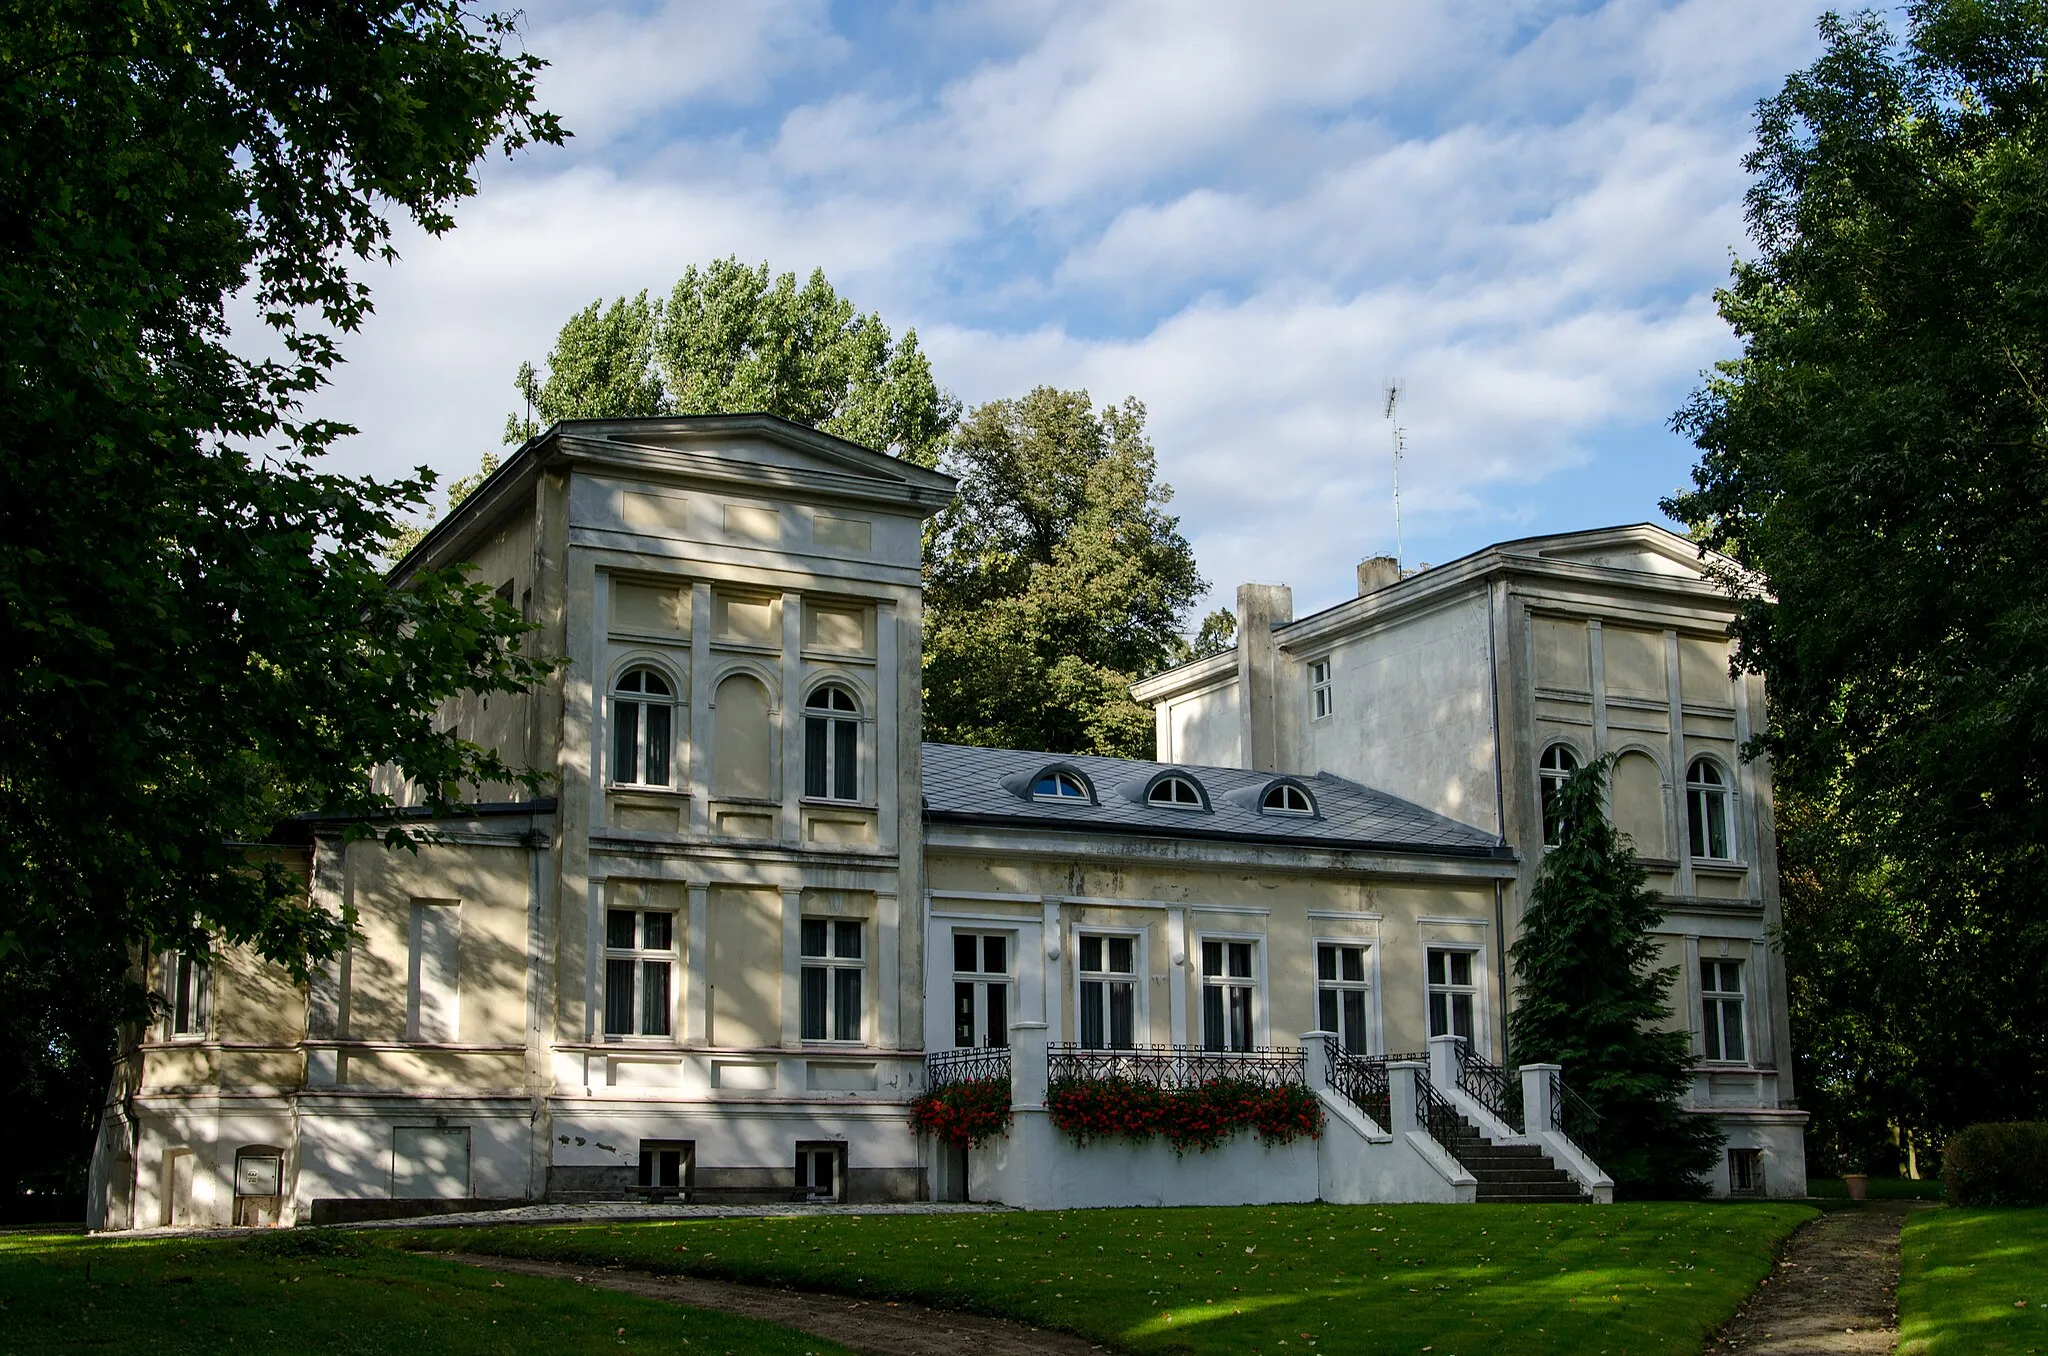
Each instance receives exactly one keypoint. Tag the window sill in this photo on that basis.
(829, 803)
(1721, 866)
(632, 789)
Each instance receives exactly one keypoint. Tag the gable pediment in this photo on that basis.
(1642, 548)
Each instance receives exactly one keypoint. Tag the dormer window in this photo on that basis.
(1055, 784)
(1179, 793)
(1285, 798)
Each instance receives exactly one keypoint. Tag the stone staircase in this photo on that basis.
(1519, 1174)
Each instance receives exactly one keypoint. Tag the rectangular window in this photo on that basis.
(1342, 994)
(981, 988)
(1227, 988)
(1721, 1026)
(820, 1170)
(1452, 993)
(834, 962)
(1745, 1172)
(188, 993)
(432, 996)
(663, 1163)
(1321, 693)
(1109, 992)
(639, 972)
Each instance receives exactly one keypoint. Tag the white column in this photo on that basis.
(1027, 1065)
(1443, 1061)
(792, 939)
(697, 1011)
(1177, 974)
(1315, 1047)
(1403, 1099)
(888, 992)
(1538, 1114)
(1053, 990)
(790, 718)
(699, 772)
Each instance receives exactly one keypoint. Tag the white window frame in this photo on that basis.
(1369, 985)
(1283, 788)
(640, 956)
(1549, 781)
(1698, 795)
(1140, 1026)
(834, 964)
(980, 980)
(1161, 783)
(1477, 989)
(827, 721)
(1322, 691)
(1714, 1004)
(1062, 777)
(1257, 1025)
(187, 984)
(641, 703)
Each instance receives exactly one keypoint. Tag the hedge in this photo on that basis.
(2000, 1163)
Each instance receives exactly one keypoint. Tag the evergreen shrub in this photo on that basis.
(1997, 1163)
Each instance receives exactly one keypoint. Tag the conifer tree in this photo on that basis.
(1591, 998)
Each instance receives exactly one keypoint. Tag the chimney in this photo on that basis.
(1376, 572)
(1260, 608)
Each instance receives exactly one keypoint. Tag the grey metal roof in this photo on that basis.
(993, 786)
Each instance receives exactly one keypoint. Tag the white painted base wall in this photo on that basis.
(1036, 1167)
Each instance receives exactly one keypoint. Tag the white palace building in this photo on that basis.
(758, 915)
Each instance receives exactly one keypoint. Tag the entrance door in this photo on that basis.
(981, 989)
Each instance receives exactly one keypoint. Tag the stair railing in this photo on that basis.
(1493, 1087)
(1435, 1111)
(1570, 1114)
(1360, 1079)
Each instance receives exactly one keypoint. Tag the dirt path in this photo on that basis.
(1833, 1293)
(878, 1327)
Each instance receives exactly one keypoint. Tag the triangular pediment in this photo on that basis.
(1642, 548)
(746, 446)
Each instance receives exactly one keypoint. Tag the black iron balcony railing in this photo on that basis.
(1173, 1067)
(945, 1067)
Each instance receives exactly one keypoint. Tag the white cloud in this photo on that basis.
(1246, 216)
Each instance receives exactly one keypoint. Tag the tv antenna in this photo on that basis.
(1392, 411)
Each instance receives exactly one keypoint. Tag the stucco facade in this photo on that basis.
(716, 957)
(1449, 686)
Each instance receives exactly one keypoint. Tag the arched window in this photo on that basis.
(1057, 784)
(1706, 810)
(1178, 792)
(643, 715)
(1285, 798)
(1558, 762)
(832, 745)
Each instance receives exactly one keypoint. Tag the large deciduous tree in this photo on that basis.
(1591, 997)
(1879, 454)
(198, 638)
(1055, 581)
(732, 339)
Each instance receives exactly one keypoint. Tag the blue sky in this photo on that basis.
(1248, 216)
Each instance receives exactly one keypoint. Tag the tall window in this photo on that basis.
(1227, 989)
(1341, 994)
(639, 972)
(1452, 993)
(188, 993)
(1109, 992)
(1321, 699)
(1706, 810)
(643, 715)
(1721, 1010)
(832, 745)
(833, 963)
(1557, 764)
(981, 989)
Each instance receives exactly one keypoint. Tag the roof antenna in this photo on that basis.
(1393, 415)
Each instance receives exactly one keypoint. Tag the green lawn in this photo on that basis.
(1878, 1189)
(1472, 1279)
(1963, 1277)
(315, 1292)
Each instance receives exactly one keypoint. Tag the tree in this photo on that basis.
(1055, 581)
(733, 340)
(198, 640)
(1879, 454)
(1591, 998)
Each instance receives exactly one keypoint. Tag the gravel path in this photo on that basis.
(880, 1327)
(1833, 1293)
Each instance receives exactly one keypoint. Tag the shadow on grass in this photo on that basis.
(1974, 1280)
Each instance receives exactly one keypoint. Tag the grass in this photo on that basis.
(1531, 1279)
(321, 1292)
(1879, 1189)
(1974, 1281)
